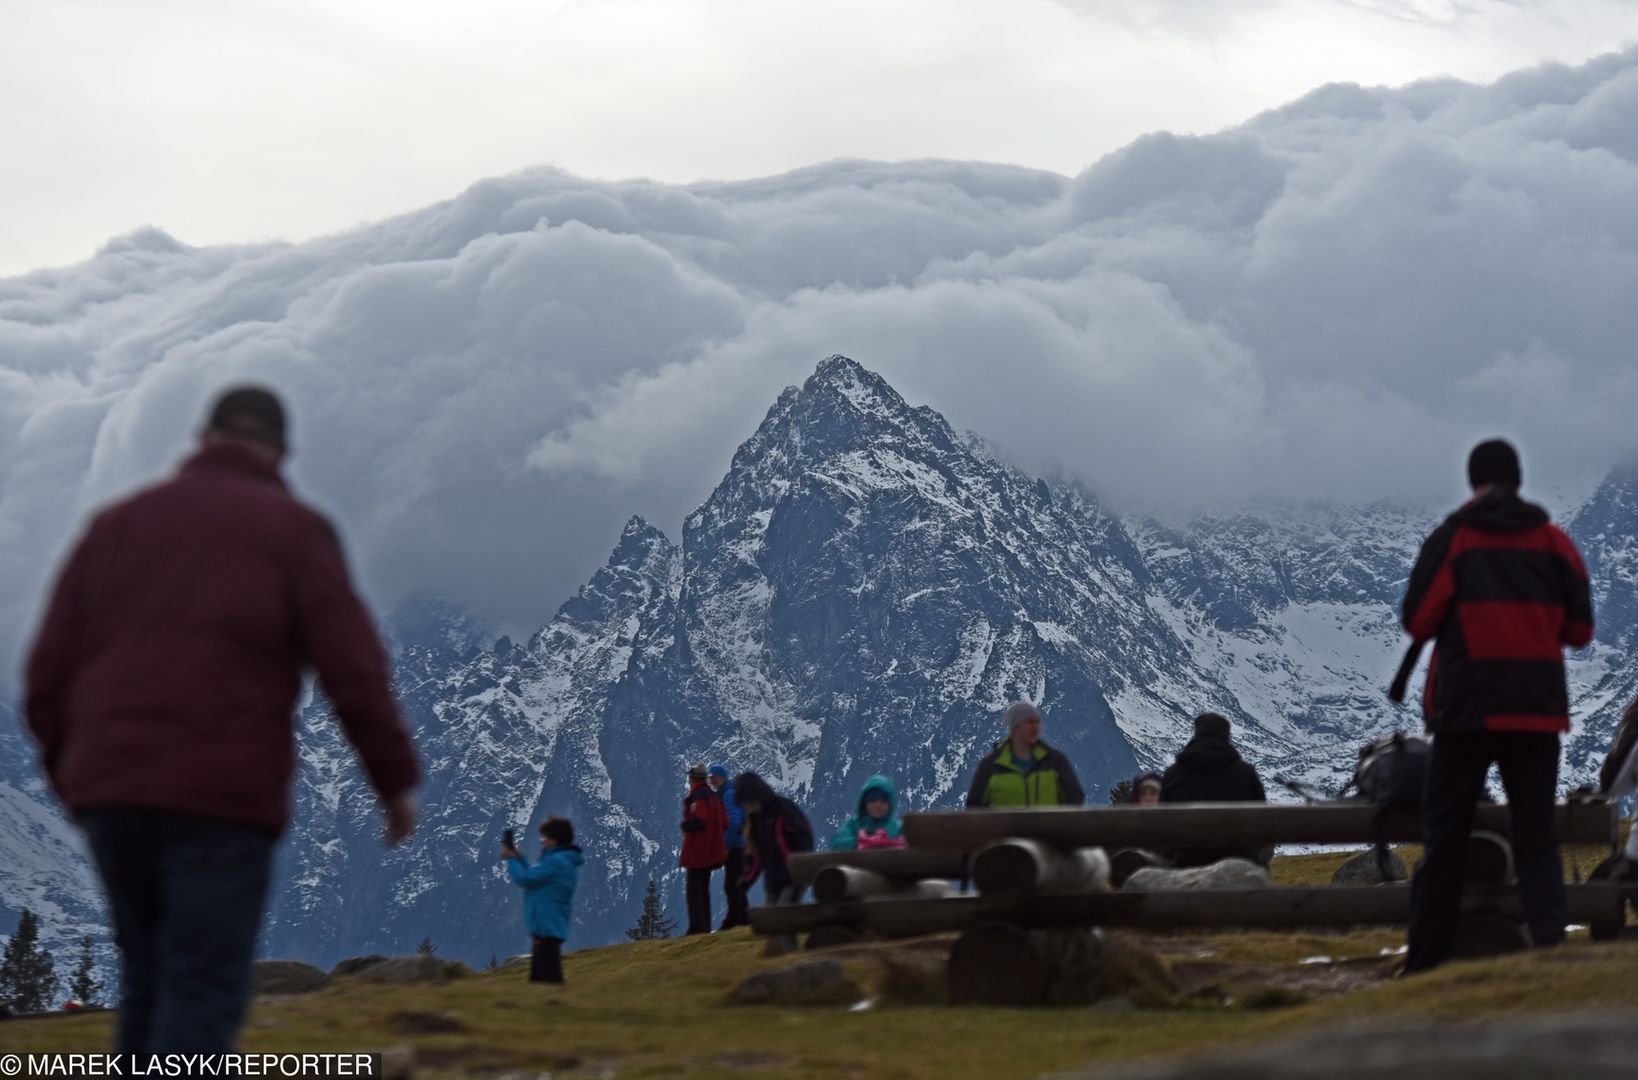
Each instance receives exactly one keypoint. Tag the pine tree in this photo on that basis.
(84, 987)
(1121, 793)
(652, 924)
(425, 948)
(28, 975)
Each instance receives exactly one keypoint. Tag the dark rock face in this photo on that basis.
(1364, 869)
(817, 982)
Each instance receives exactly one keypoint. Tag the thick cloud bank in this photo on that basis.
(1331, 300)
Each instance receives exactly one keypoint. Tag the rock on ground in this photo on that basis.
(415, 969)
(1227, 874)
(354, 964)
(287, 977)
(1362, 869)
(1596, 1046)
(817, 982)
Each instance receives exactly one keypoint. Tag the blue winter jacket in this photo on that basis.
(734, 837)
(548, 890)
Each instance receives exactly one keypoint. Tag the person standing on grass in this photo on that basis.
(733, 842)
(1500, 591)
(162, 688)
(704, 821)
(1022, 770)
(1209, 768)
(548, 895)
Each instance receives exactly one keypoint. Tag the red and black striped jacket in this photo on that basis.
(1502, 590)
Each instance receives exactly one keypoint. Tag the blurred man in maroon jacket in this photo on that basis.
(161, 689)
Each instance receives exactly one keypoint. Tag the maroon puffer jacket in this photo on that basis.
(168, 665)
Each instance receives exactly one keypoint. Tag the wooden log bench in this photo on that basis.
(1277, 908)
(1221, 825)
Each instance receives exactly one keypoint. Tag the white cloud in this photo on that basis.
(1334, 299)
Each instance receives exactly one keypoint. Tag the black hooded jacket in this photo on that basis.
(1210, 769)
(775, 832)
(1501, 590)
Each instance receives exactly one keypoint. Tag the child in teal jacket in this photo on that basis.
(548, 895)
(876, 824)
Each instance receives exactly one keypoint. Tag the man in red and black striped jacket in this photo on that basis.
(1500, 590)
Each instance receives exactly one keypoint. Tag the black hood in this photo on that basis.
(749, 788)
(1207, 753)
(1502, 513)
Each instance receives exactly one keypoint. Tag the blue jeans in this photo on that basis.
(186, 894)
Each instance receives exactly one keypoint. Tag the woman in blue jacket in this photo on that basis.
(548, 895)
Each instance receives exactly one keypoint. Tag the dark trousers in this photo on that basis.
(1528, 762)
(699, 901)
(546, 960)
(186, 895)
(733, 888)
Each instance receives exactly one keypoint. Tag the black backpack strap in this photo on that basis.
(1401, 678)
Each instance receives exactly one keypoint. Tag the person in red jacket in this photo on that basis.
(703, 848)
(1500, 591)
(161, 687)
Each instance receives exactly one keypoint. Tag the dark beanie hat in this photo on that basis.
(249, 412)
(1493, 461)
(1212, 724)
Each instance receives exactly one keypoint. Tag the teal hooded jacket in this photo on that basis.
(847, 837)
(548, 890)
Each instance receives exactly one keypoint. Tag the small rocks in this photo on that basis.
(1363, 869)
(817, 982)
(287, 977)
(1227, 874)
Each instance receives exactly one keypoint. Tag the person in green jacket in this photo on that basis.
(876, 824)
(1024, 771)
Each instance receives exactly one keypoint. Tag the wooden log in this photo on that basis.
(895, 864)
(1279, 908)
(1489, 859)
(1127, 861)
(836, 883)
(1220, 825)
(1020, 866)
(833, 883)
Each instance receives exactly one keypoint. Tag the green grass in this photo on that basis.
(658, 1009)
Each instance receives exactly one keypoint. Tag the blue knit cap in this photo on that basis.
(719, 770)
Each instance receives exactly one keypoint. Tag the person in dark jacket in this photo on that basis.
(1210, 769)
(733, 841)
(1500, 591)
(703, 850)
(775, 829)
(1146, 789)
(161, 688)
(548, 895)
(1021, 770)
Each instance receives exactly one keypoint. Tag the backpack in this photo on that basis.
(798, 830)
(1392, 772)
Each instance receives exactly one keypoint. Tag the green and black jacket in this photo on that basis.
(1051, 780)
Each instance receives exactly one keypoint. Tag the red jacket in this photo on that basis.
(704, 822)
(167, 668)
(1503, 590)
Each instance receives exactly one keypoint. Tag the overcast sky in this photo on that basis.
(235, 120)
(1331, 300)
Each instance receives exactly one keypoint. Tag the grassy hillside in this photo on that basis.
(658, 1008)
